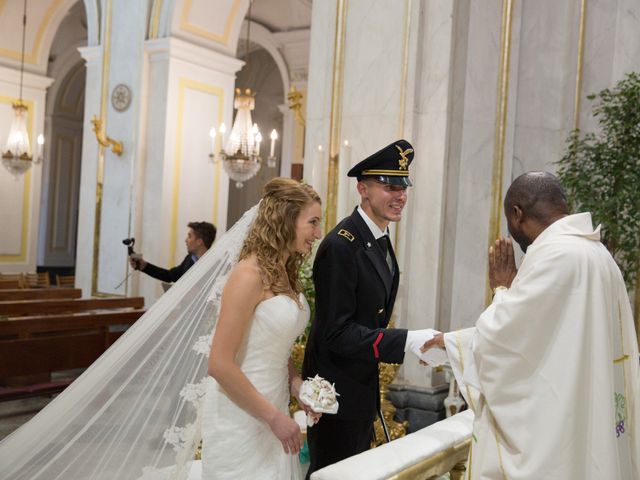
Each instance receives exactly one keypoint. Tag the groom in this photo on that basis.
(356, 279)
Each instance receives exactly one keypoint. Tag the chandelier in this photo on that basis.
(16, 156)
(240, 153)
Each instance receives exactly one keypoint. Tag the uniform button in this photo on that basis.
(380, 311)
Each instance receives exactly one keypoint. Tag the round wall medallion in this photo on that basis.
(121, 97)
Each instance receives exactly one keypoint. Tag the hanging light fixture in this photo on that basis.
(16, 156)
(240, 153)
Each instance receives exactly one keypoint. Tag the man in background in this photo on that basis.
(200, 237)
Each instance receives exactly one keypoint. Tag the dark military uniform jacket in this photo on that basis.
(355, 293)
(171, 275)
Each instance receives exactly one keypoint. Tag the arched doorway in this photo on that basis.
(63, 127)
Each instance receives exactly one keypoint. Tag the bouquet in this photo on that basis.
(319, 395)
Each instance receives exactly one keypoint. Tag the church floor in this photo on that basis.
(17, 412)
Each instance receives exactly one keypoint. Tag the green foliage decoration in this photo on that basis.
(601, 171)
(309, 291)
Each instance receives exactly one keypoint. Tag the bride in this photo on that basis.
(140, 410)
(247, 431)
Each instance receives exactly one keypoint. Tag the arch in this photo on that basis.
(67, 61)
(172, 18)
(92, 10)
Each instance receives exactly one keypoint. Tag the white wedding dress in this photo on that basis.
(235, 444)
(140, 410)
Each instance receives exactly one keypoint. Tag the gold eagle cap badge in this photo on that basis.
(403, 161)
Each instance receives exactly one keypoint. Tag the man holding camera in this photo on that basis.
(200, 237)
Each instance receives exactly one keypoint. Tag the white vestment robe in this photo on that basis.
(551, 367)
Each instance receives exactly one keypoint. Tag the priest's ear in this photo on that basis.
(517, 214)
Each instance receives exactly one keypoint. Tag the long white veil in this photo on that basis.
(137, 407)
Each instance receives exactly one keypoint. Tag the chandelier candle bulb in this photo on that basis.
(274, 137)
(223, 136)
(40, 142)
(212, 135)
(258, 141)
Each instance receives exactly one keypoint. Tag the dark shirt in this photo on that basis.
(173, 274)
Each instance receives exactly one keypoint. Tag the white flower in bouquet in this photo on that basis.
(319, 395)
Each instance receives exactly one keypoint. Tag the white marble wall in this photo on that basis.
(451, 100)
(422, 233)
(319, 94)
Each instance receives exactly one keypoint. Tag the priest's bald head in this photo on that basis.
(533, 202)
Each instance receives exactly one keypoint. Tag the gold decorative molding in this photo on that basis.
(500, 129)
(403, 97)
(636, 305)
(206, 34)
(106, 56)
(450, 460)
(104, 140)
(32, 57)
(154, 25)
(295, 103)
(405, 68)
(579, 63)
(335, 121)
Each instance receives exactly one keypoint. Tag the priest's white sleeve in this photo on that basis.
(459, 350)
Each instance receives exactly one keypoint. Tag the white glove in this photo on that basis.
(417, 338)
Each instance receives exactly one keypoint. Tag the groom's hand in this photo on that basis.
(417, 339)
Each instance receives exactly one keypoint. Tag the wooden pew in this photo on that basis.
(66, 280)
(40, 344)
(9, 283)
(36, 280)
(13, 294)
(54, 306)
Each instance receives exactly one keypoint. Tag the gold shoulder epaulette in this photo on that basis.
(346, 234)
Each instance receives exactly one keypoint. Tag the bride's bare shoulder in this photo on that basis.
(247, 275)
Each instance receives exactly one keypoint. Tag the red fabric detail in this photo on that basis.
(376, 353)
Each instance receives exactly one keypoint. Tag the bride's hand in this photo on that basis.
(287, 431)
(296, 383)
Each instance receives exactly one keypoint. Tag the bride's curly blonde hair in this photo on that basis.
(273, 234)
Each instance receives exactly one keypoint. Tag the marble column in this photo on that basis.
(88, 172)
(189, 89)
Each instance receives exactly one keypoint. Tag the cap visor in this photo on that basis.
(392, 180)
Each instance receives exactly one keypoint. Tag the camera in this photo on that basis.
(129, 242)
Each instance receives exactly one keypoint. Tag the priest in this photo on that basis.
(551, 367)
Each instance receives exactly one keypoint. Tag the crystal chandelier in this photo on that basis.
(240, 153)
(16, 156)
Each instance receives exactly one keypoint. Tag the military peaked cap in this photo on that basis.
(388, 165)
